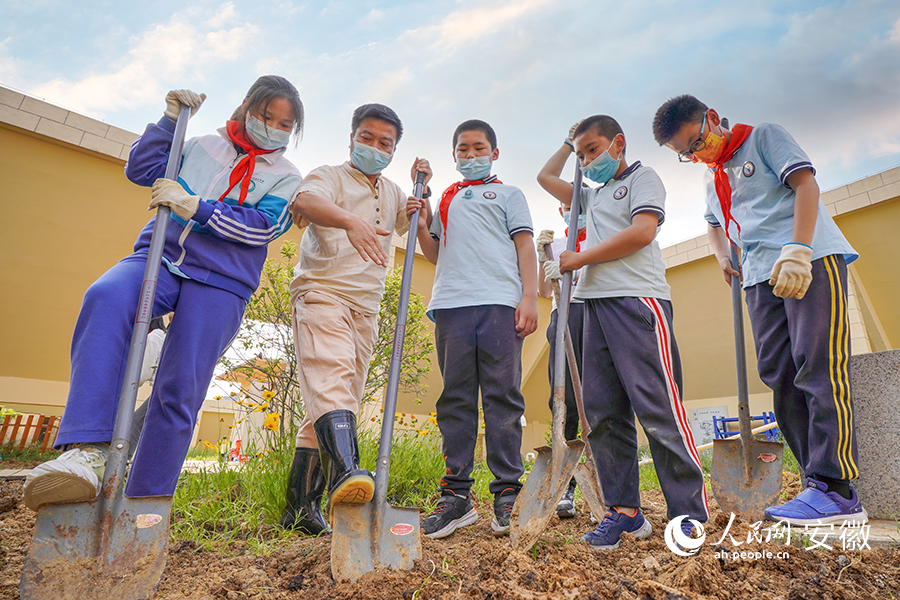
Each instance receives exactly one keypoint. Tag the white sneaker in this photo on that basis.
(75, 476)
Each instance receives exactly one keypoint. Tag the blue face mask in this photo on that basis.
(582, 220)
(475, 168)
(265, 137)
(602, 169)
(368, 159)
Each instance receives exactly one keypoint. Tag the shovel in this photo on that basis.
(372, 535)
(553, 467)
(585, 472)
(746, 472)
(112, 546)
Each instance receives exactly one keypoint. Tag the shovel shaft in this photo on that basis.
(118, 452)
(559, 364)
(382, 468)
(741, 364)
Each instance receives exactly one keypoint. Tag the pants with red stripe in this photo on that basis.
(803, 354)
(632, 367)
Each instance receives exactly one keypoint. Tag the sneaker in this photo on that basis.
(75, 476)
(817, 506)
(451, 513)
(503, 507)
(614, 524)
(565, 509)
(687, 528)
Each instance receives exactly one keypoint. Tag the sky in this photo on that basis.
(829, 72)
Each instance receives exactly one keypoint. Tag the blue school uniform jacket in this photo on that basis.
(225, 244)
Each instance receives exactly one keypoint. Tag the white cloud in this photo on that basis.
(178, 49)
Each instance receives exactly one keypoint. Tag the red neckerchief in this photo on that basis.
(450, 192)
(723, 189)
(581, 237)
(243, 170)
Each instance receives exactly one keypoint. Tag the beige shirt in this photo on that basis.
(328, 263)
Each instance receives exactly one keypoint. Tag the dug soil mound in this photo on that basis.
(472, 563)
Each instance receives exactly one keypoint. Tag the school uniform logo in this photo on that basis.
(468, 193)
(620, 193)
(489, 195)
(749, 169)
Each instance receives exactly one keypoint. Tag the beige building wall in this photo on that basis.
(70, 214)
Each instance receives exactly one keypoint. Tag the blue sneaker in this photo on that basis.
(613, 525)
(817, 506)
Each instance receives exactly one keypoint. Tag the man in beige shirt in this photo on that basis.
(350, 211)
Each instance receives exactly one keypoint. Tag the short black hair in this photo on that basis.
(603, 125)
(476, 125)
(376, 111)
(675, 114)
(262, 92)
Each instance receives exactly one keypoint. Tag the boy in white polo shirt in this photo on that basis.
(484, 302)
(762, 196)
(631, 362)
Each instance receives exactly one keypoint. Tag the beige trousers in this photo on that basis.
(334, 344)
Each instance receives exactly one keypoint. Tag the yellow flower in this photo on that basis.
(432, 420)
(374, 418)
(268, 395)
(208, 445)
(272, 421)
(433, 414)
(423, 432)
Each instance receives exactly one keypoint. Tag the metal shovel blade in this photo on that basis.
(588, 483)
(542, 491)
(65, 562)
(735, 491)
(363, 540)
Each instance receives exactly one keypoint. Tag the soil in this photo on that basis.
(472, 563)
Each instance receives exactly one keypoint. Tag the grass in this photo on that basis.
(28, 453)
(220, 506)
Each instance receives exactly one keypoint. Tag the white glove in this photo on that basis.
(571, 137)
(544, 237)
(551, 270)
(175, 98)
(792, 272)
(170, 193)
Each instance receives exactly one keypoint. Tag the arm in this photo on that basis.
(549, 179)
(792, 272)
(806, 205)
(428, 244)
(150, 153)
(526, 312)
(640, 233)
(312, 207)
(720, 246)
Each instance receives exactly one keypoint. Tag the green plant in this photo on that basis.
(29, 453)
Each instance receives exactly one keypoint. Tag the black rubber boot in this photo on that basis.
(306, 484)
(347, 483)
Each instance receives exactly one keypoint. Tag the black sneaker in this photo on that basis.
(451, 513)
(565, 509)
(503, 506)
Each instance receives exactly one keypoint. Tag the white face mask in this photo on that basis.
(265, 137)
(474, 168)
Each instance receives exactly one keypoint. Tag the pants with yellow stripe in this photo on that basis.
(803, 354)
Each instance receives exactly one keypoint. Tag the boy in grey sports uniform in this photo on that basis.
(632, 366)
(483, 304)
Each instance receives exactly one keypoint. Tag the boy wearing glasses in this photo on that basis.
(631, 361)
(762, 196)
